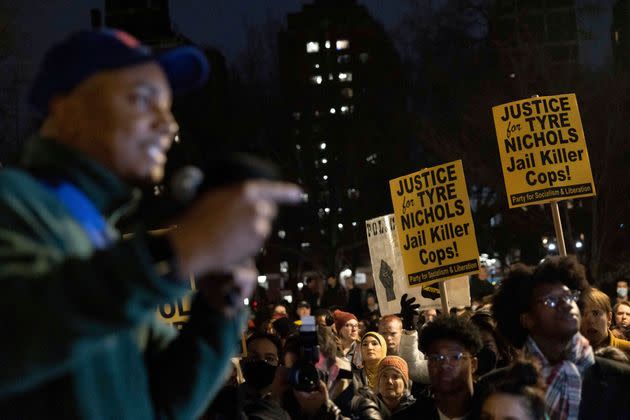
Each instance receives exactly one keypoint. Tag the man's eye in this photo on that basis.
(140, 99)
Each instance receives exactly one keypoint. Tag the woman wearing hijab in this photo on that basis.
(373, 350)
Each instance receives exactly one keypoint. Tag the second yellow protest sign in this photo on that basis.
(434, 224)
(543, 150)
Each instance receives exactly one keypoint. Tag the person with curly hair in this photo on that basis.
(520, 395)
(536, 310)
(451, 345)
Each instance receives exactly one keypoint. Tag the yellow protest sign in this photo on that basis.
(434, 224)
(543, 150)
(177, 312)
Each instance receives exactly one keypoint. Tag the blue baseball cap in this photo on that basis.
(86, 53)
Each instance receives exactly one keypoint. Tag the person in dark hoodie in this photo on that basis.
(80, 338)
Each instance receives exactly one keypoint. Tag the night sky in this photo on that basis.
(35, 24)
(221, 23)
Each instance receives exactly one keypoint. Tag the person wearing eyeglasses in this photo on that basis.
(536, 310)
(450, 345)
(347, 327)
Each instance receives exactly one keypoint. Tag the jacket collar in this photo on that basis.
(51, 160)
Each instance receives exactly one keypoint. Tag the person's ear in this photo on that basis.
(474, 364)
(608, 319)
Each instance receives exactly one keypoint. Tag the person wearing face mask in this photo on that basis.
(259, 370)
(266, 389)
(622, 291)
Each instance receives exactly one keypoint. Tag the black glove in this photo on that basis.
(408, 309)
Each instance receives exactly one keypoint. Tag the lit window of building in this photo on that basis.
(353, 193)
(316, 79)
(333, 110)
(343, 59)
(298, 147)
(316, 66)
(347, 93)
(342, 44)
(330, 76)
(322, 146)
(327, 45)
(325, 177)
(312, 47)
(297, 115)
(345, 109)
(363, 57)
(345, 77)
(324, 161)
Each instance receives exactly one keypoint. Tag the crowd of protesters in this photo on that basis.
(82, 340)
(543, 345)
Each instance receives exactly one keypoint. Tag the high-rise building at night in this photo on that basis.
(342, 86)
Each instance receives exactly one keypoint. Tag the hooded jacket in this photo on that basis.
(81, 339)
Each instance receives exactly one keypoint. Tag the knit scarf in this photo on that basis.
(564, 379)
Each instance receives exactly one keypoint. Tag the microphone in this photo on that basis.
(189, 182)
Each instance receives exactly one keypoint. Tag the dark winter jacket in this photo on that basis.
(80, 335)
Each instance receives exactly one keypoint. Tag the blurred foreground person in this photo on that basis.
(518, 396)
(536, 310)
(81, 338)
